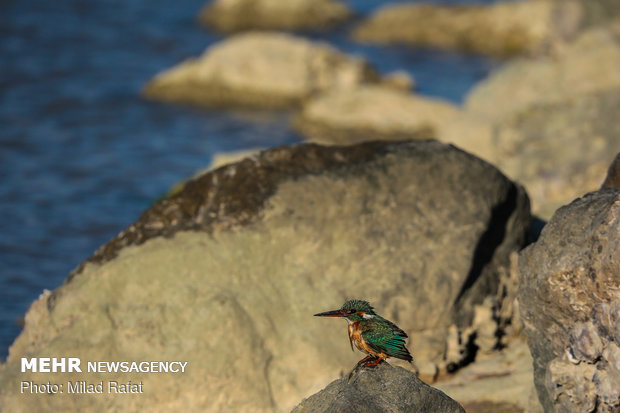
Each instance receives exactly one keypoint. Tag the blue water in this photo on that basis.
(82, 154)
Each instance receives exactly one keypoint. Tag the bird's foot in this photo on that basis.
(365, 360)
(368, 361)
(374, 362)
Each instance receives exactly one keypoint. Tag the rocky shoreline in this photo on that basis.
(421, 206)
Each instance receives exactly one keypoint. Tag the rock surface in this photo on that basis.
(381, 389)
(554, 119)
(560, 151)
(588, 65)
(370, 112)
(502, 29)
(595, 12)
(569, 296)
(548, 123)
(227, 273)
(261, 70)
(238, 15)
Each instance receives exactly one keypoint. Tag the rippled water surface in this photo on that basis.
(82, 154)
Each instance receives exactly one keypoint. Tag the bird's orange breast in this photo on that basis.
(355, 335)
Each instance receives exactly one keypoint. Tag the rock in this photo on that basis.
(399, 80)
(218, 160)
(612, 180)
(260, 70)
(559, 151)
(547, 123)
(239, 15)
(588, 65)
(569, 296)
(227, 273)
(370, 112)
(381, 389)
(502, 29)
(552, 120)
(225, 158)
(596, 12)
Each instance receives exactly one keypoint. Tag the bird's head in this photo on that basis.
(352, 310)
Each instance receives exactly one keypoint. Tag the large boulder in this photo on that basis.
(381, 389)
(502, 29)
(569, 297)
(239, 15)
(227, 273)
(261, 70)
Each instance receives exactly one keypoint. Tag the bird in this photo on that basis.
(372, 334)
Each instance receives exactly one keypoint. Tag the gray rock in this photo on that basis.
(381, 389)
(227, 273)
(569, 296)
(239, 15)
(259, 70)
(502, 29)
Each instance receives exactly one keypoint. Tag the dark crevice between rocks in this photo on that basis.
(536, 226)
(235, 194)
(489, 241)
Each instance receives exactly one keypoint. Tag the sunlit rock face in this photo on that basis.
(259, 70)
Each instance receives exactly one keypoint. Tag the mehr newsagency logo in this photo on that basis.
(74, 365)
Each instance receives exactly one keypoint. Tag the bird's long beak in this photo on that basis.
(335, 313)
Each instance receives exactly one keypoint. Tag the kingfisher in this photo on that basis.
(372, 334)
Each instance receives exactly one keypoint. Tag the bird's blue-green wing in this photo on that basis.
(388, 339)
